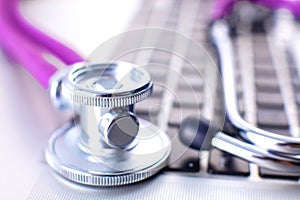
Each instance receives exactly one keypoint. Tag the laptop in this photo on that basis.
(180, 91)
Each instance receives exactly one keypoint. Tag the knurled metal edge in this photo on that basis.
(113, 180)
(116, 101)
(78, 176)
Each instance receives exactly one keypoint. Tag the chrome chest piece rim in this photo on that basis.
(106, 144)
(66, 156)
(107, 85)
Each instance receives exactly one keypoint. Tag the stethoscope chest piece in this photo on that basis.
(105, 144)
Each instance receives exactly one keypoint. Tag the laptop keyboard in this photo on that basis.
(268, 86)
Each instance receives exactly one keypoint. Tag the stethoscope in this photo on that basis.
(107, 144)
(266, 149)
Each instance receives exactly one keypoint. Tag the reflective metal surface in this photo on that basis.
(255, 154)
(67, 156)
(107, 85)
(265, 148)
(103, 95)
(105, 144)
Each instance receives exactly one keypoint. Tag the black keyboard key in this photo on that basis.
(182, 158)
(188, 99)
(150, 117)
(261, 57)
(297, 98)
(160, 57)
(268, 173)
(189, 70)
(269, 84)
(264, 71)
(262, 53)
(178, 114)
(224, 163)
(293, 71)
(158, 72)
(149, 105)
(186, 164)
(259, 39)
(157, 91)
(296, 83)
(193, 83)
(272, 118)
(241, 107)
(269, 100)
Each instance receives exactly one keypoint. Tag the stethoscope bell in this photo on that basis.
(106, 144)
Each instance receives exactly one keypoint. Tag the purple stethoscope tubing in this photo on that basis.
(26, 45)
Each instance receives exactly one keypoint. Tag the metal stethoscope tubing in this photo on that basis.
(265, 148)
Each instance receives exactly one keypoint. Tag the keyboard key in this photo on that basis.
(272, 118)
(223, 163)
(149, 105)
(293, 71)
(269, 100)
(268, 173)
(149, 117)
(179, 114)
(269, 84)
(158, 72)
(189, 70)
(241, 107)
(188, 99)
(297, 98)
(265, 71)
(260, 44)
(182, 158)
(157, 91)
(296, 83)
(161, 57)
(194, 83)
(262, 55)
